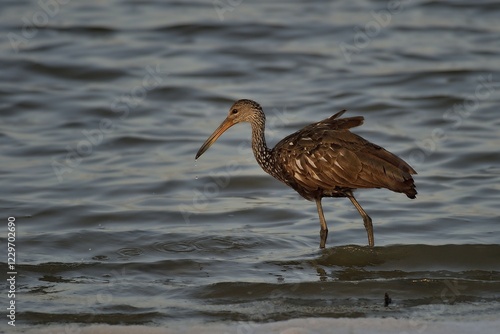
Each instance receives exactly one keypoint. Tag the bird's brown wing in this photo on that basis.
(325, 158)
(332, 123)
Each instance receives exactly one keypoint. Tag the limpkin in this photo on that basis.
(324, 159)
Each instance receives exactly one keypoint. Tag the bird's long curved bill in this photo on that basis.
(220, 130)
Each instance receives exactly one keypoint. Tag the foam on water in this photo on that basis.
(296, 326)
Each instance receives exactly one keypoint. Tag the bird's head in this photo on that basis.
(241, 111)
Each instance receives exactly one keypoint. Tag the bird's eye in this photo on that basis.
(234, 111)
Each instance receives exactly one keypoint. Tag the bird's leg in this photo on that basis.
(323, 233)
(366, 220)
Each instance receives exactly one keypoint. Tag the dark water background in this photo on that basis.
(103, 105)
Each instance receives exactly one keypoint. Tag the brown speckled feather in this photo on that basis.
(325, 159)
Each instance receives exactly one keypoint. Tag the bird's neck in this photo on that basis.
(260, 150)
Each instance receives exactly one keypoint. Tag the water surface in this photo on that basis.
(103, 108)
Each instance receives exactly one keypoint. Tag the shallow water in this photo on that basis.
(104, 107)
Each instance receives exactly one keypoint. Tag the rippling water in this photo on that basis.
(103, 107)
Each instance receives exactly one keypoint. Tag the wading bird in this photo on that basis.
(324, 159)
